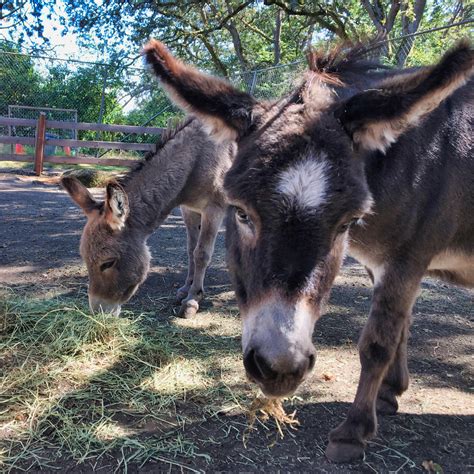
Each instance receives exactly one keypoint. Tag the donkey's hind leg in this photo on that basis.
(211, 219)
(192, 220)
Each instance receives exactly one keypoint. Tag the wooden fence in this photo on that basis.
(40, 141)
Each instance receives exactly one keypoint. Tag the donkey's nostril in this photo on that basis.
(264, 367)
(129, 292)
(257, 367)
(312, 361)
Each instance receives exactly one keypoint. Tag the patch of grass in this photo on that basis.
(51, 167)
(80, 386)
(16, 165)
(91, 178)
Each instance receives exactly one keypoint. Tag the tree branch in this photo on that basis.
(318, 16)
(222, 23)
(256, 30)
(392, 15)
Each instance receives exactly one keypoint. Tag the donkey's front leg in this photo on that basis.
(396, 379)
(392, 303)
(211, 219)
(192, 220)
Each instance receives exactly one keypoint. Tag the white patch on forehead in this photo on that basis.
(305, 183)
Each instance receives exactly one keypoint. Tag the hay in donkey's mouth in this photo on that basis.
(264, 409)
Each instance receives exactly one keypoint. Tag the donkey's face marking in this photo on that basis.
(286, 237)
(304, 184)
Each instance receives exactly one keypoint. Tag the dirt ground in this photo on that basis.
(39, 237)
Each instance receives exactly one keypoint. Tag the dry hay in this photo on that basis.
(264, 409)
(89, 177)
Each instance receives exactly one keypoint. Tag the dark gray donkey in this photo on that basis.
(187, 169)
(381, 162)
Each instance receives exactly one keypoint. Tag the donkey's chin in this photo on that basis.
(278, 388)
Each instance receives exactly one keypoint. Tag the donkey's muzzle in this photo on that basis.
(98, 305)
(278, 378)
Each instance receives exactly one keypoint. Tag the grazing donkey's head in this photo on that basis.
(116, 256)
(298, 185)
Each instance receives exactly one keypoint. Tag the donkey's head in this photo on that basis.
(116, 256)
(296, 187)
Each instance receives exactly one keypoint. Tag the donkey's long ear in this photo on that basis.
(225, 111)
(79, 194)
(116, 206)
(376, 118)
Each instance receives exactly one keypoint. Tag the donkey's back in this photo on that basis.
(423, 191)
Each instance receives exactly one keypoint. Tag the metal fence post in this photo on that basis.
(253, 83)
(102, 99)
(12, 147)
(39, 143)
(102, 106)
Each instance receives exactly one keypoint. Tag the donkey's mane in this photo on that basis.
(344, 59)
(166, 136)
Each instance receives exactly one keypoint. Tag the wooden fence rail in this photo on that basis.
(40, 141)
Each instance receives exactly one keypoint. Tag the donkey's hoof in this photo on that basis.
(188, 310)
(344, 451)
(179, 299)
(181, 294)
(387, 404)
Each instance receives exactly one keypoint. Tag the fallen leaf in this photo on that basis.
(328, 376)
(431, 466)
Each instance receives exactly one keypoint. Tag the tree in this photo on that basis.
(233, 36)
(19, 81)
(224, 36)
(79, 88)
(25, 17)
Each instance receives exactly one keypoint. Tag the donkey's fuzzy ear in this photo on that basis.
(225, 111)
(79, 194)
(376, 118)
(117, 207)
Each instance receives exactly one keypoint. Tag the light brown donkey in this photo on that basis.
(187, 170)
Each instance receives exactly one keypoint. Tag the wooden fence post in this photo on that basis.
(39, 143)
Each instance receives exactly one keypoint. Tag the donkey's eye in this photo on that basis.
(241, 216)
(106, 265)
(347, 225)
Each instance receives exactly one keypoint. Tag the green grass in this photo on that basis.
(16, 165)
(59, 167)
(80, 386)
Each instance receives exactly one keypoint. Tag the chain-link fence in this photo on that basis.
(417, 49)
(78, 91)
(97, 92)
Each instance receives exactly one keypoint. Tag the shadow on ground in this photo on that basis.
(39, 238)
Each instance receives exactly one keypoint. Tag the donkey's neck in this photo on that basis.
(156, 186)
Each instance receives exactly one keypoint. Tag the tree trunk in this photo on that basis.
(237, 45)
(276, 38)
(307, 42)
(382, 21)
(409, 27)
(234, 33)
(219, 65)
